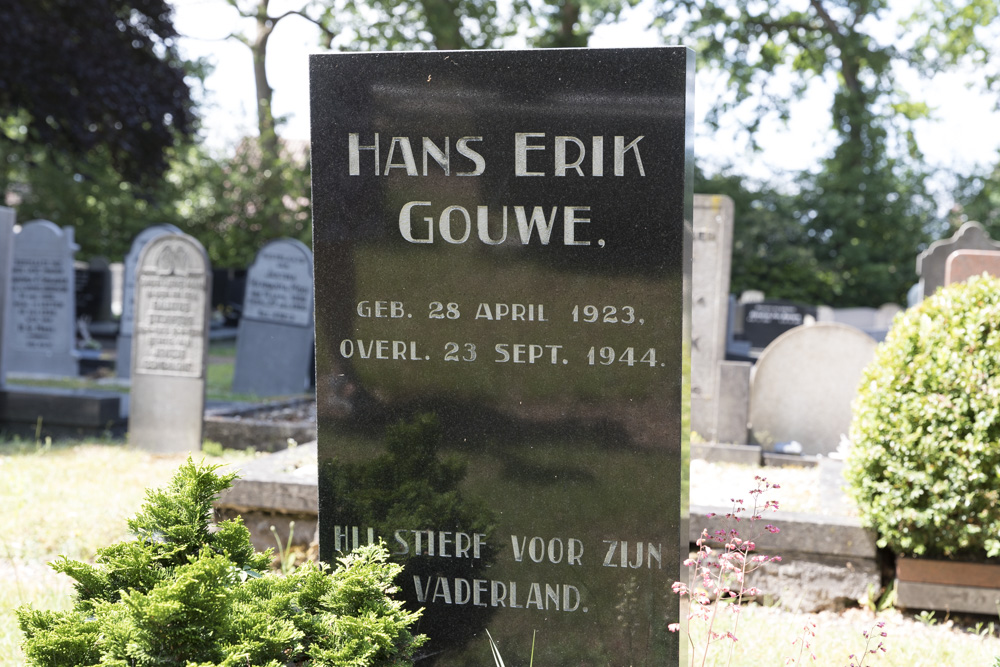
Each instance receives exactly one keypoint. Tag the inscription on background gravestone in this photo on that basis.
(123, 359)
(764, 321)
(41, 329)
(274, 344)
(502, 261)
(173, 283)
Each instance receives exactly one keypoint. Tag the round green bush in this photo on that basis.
(924, 467)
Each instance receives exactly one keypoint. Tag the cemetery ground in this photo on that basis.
(68, 498)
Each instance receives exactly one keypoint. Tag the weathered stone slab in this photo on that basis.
(948, 598)
(274, 345)
(40, 332)
(827, 562)
(733, 411)
(37, 412)
(123, 361)
(802, 386)
(173, 285)
(711, 252)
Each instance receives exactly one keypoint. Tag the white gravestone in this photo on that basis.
(7, 219)
(803, 384)
(172, 303)
(274, 344)
(711, 252)
(126, 324)
(41, 325)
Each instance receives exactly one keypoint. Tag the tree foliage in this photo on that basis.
(771, 245)
(87, 75)
(864, 212)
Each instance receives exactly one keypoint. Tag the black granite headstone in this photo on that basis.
(502, 264)
(764, 321)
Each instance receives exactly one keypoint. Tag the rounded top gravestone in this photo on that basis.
(41, 325)
(274, 345)
(173, 284)
(126, 324)
(803, 384)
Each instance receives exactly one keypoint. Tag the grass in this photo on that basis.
(72, 498)
(766, 635)
(65, 499)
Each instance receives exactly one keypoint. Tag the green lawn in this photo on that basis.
(68, 500)
(71, 498)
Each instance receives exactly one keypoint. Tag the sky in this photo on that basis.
(966, 133)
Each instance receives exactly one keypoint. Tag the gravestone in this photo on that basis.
(712, 248)
(875, 322)
(7, 219)
(93, 290)
(764, 321)
(41, 327)
(802, 386)
(126, 324)
(931, 262)
(172, 288)
(274, 345)
(502, 246)
(963, 264)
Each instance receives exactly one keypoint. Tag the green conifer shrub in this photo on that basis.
(924, 468)
(185, 593)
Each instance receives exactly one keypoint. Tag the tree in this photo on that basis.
(83, 75)
(864, 211)
(771, 246)
(235, 204)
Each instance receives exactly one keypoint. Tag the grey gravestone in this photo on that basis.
(931, 262)
(123, 360)
(712, 249)
(274, 345)
(802, 386)
(172, 288)
(7, 219)
(500, 342)
(732, 413)
(41, 328)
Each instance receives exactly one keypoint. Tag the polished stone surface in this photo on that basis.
(502, 261)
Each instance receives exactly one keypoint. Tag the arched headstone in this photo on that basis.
(41, 324)
(274, 344)
(802, 386)
(172, 304)
(124, 347)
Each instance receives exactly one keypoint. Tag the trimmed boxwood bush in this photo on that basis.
(924, 468)
(186, 594)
